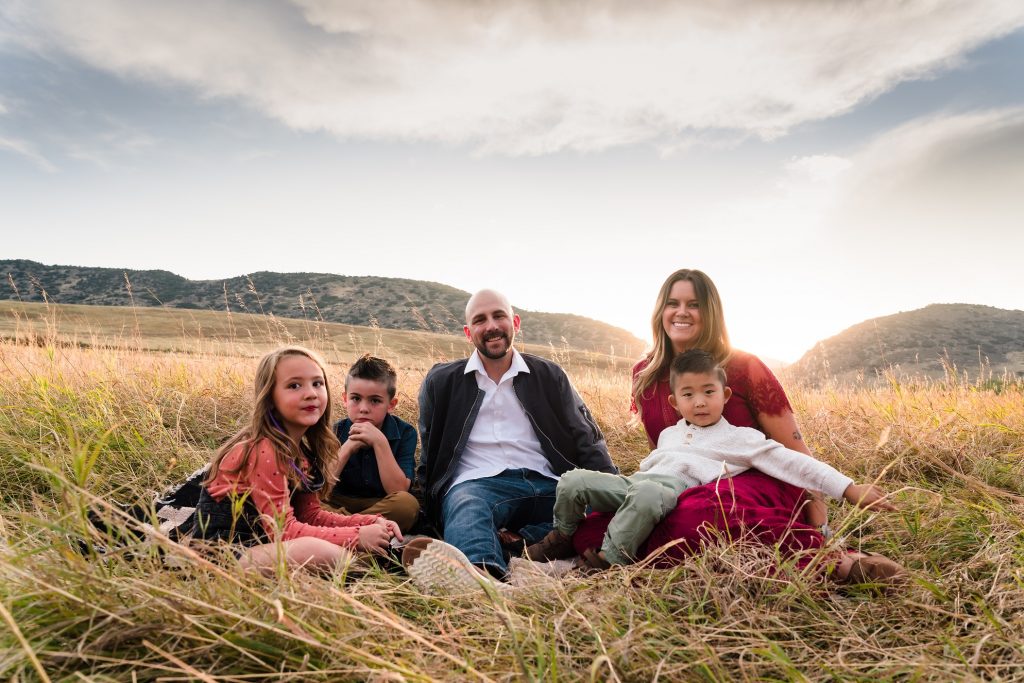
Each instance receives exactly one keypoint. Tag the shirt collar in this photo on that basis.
(476, 364)
(718, 426)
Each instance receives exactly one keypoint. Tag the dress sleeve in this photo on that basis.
(761, 388)
(307, 511)
(269, 492)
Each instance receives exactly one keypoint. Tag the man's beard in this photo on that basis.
(482, 347)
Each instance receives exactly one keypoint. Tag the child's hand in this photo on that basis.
(392, 528)
(366, 433)
(374, 538)
(867, 496)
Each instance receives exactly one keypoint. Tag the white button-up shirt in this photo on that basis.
(700, 455)
(502, 437)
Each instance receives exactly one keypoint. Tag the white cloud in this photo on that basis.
(940, 177)
(929, 175)
(112, 147)
(817, 168)
(531, 76)
(26, 150)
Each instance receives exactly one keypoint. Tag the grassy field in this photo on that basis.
(103, 405)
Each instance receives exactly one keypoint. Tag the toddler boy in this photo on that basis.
(377, 456)
(701, 448)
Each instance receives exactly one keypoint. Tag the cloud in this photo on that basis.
(112, 147)
(26, 150)
(817, 168)
(932, 171)
(940, 177)
(528, 76)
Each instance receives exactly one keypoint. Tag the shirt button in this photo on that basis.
(689, 435)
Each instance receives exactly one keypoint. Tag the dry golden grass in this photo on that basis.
(93, 412)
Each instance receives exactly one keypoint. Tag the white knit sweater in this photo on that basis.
(699, 455)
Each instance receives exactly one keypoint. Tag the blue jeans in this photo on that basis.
(473, 512)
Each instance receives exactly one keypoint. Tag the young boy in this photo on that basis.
(377, 455)
(702, 447)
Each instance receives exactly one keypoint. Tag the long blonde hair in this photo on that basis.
(321, 443)
(714, 338)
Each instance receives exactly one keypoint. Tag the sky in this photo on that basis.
(825, 162)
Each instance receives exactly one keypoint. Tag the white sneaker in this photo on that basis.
(439, 567)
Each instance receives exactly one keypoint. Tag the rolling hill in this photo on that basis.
(922, 342)
(389, 303)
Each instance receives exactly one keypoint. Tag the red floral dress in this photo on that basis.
(751, 504)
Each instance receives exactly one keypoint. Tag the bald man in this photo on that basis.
(497, 430)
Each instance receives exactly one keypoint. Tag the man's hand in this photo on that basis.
(867, 496)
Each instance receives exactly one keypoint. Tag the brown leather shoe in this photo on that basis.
(554, 546)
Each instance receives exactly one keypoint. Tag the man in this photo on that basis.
(497, 429)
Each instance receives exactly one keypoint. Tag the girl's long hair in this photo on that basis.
(714, 338)
(321, 445)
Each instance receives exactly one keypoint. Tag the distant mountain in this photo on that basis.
(920, 343)
(392, 303)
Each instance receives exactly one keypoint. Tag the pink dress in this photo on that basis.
(751, 504)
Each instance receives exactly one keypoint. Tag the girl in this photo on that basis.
(688, 315)
(266, 482)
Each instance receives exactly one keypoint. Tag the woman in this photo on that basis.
(689, 315)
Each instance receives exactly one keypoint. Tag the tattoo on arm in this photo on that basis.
(796, 435)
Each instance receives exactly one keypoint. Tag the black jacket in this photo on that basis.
(450, 400)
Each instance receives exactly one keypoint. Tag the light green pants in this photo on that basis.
(639, 501)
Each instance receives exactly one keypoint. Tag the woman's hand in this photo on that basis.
(374, 538)
(816, 510)
(867, 496)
